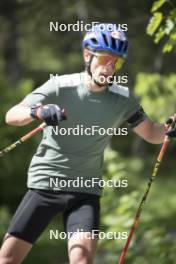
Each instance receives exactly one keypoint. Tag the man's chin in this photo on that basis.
(100, 84)
(100, 80)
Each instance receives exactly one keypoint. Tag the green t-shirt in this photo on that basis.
(63, 156)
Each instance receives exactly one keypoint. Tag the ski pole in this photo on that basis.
(23, 139)
(138, 213)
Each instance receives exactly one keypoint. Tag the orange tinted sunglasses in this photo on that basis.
(107, 59)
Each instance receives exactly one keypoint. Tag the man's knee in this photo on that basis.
(81, 256)
(6, 237)
(6, 260)
(13, 250)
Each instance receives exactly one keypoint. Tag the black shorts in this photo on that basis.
(80, 211)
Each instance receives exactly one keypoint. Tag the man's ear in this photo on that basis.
(86, 55)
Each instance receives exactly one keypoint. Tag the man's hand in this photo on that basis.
(52, 114)
(172, 122)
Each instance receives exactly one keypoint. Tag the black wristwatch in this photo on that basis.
(34, 109)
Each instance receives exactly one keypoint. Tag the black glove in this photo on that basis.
(172, 131)
(50, 113)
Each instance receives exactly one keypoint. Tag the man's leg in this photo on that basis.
(31, 218)
(81, 221)
(14, 250)
(82, 248)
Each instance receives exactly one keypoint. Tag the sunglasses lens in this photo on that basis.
(119, 63)
(105, 60)
(102, 59)
(109, 59)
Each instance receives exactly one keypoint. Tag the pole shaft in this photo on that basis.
(23, 139)
(137, 216)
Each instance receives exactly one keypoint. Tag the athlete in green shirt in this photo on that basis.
(71, 151)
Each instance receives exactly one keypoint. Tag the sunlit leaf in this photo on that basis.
(167, 47)
(157, 4)
(160, 34)
(169, 26)
(154, 23)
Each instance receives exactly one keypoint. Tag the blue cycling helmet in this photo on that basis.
(106, 37)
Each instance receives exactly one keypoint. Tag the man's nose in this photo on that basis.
(109, 67)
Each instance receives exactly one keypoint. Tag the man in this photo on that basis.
(92, 99)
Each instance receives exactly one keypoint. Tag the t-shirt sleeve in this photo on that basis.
(135, 114)
(44, 94)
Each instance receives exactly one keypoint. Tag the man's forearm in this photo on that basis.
(19, 115)
(158, 133)
(151, 132)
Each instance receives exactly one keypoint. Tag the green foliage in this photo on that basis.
(163, 24)
(157, 4)
(157, 94)
(154, 23)
(154, 240)
(119, 203)
(4, 220)
(12, 181)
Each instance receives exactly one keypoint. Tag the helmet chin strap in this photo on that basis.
(88, 65)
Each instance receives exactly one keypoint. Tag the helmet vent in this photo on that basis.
(125, 46)
(101, 27)
(120, 45)
(105, 39)
(113, 43)
(94, 41)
